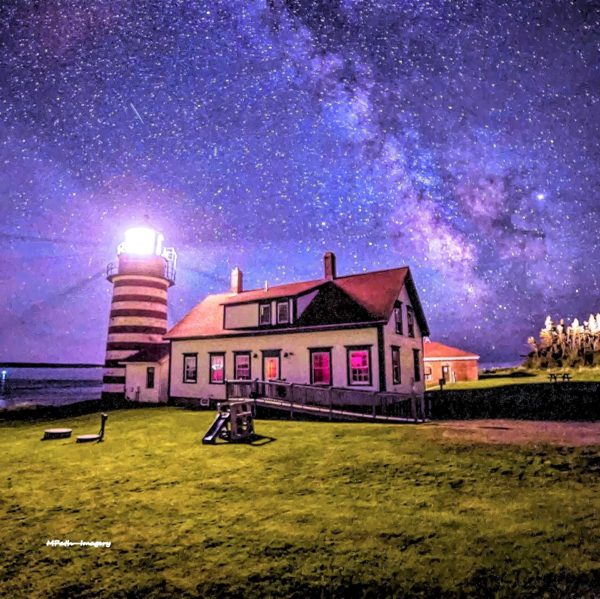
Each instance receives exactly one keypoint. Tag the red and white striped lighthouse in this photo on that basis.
(141, 277)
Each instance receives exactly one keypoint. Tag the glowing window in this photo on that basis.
(242, 366)
(271, 368)
(320, 367)
(359, 367)
(217, 368)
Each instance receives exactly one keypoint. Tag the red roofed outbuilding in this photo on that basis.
(450, 363)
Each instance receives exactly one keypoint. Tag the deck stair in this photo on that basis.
(332, 403)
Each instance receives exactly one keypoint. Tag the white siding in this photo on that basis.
(406, 345)
(135, 382)
(244, 315)
(294, 368)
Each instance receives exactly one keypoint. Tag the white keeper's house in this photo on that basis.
(360, 332)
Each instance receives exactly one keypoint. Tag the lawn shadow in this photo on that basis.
(260, 440)
(254, 441)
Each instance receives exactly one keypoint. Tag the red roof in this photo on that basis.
(374, 291)
(433, 349)
(272, 292)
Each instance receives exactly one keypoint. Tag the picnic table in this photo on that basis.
(554, 377)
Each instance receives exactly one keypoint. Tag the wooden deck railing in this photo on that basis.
(355, 400)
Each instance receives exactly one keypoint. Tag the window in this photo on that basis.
(417, 364)
(150, 377)
(428, 373)
(242, 366)
(359, 365)
(283, 312)
(396, 369)
(410, 321)
(216, 373)
(190, 368)
(271, 364)
(264, 314)
(398, 318)
(320, 366)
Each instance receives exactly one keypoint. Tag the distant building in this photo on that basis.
(450, 363)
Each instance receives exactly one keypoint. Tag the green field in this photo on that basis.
(519, 376)
(344, 510)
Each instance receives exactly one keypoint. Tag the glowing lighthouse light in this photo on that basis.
(142, 242)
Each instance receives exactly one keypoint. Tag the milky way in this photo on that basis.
(460, 138)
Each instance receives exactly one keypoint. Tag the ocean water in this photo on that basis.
(492, 365)
(20, 387)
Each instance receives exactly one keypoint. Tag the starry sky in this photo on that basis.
(458, 137)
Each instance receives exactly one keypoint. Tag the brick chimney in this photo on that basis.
(329, 265)
(237, 280)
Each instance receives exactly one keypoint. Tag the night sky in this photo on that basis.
(460, 137)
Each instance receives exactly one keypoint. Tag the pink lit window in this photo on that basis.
(359, 368)
(242, 366)
(217, 368)
(321, 368)
(271, 367)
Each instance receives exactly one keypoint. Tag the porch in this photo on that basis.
(332, 403)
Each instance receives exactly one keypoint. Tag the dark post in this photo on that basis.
(413, 406)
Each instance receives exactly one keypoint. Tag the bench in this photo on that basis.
(554, 377)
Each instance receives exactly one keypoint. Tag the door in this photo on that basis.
(446, 372)
(271, 367)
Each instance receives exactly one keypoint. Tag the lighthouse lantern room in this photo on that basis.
(141, 277)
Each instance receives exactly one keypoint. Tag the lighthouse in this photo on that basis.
(141, 277)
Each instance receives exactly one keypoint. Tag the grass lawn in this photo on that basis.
(345, 510)
(520, 376)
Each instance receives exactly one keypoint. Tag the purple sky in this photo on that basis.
(460, 138)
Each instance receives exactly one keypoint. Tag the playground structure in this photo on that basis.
(234, 423)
